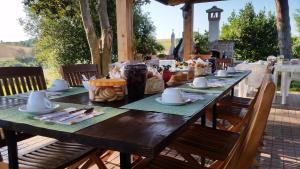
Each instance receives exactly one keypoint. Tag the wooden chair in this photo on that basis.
(231, 108)
(217, 144)
(37, 151)
(73, 73)
(46, 153)
(223, 63)
(14, 80)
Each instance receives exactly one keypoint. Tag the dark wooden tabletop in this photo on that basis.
(136, 132)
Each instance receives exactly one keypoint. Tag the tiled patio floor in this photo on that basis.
(281, 148)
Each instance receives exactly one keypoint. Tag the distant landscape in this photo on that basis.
(11, 52)
(166, 44)
(17, 53)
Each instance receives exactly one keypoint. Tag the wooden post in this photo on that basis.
(188, 19)
(124, 11)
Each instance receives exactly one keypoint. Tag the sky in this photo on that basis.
(165, 18)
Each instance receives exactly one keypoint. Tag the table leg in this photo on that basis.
(203, 119)
(214, 116)
(11, 141)
(125, 161)
(283, 87)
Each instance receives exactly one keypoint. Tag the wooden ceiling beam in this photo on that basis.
(177, 2)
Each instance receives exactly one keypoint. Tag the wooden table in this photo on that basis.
(134, 132)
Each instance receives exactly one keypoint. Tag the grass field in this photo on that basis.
(11, 52)
(166, 44)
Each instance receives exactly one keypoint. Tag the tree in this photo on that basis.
(201, 42)
(61, 34)
(145, 42)
(283, 28)
(254, 34)
(296, 40)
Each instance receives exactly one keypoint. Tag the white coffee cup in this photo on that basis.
(38, 101)
(59, 84)
(172, 95)
(221, 73)
(200, 82)
(231, 69)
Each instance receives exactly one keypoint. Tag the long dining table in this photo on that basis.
(135, 131)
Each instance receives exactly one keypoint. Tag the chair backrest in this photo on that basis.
(14, 80)
(73, 73)
(223, 63)
(256, 112)
(258, 123)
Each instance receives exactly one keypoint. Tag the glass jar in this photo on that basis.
(136, 77)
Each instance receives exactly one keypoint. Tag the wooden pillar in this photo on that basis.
(124, 12)
(188, 22)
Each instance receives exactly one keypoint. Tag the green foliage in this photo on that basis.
(60, 33)
(20, 61)
(296, 40)
(201, 42)
(26, 43)
(296, 47)
(145, 42)
(255, 35)
(297, 19)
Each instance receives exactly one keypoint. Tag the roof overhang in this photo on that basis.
(177, 2)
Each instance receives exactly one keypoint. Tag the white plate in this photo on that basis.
(207, 87)
(46, 110)
(56, 90)
(172, 104)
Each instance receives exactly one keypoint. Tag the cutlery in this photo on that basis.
(61, 114)
(77, 113)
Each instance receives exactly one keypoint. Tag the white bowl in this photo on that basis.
(200, 82)
(231, 69)
(172, 95)
(221, 73)
(59, 85)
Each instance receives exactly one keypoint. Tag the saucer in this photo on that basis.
(206, 87)
(57, 90)
(195, 87)
(235, 72)
(158, 99)
(44, 111)
(224, 76)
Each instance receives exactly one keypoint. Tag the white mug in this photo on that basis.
(59, 84)
(222, 73)
(230, 69)
(38, 101)
(172, 95)
(200, 82)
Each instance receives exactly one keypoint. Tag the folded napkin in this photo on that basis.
(66, 117)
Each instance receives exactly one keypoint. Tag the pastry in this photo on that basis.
(154, 85)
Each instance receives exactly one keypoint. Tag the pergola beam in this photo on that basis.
(177, 2)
